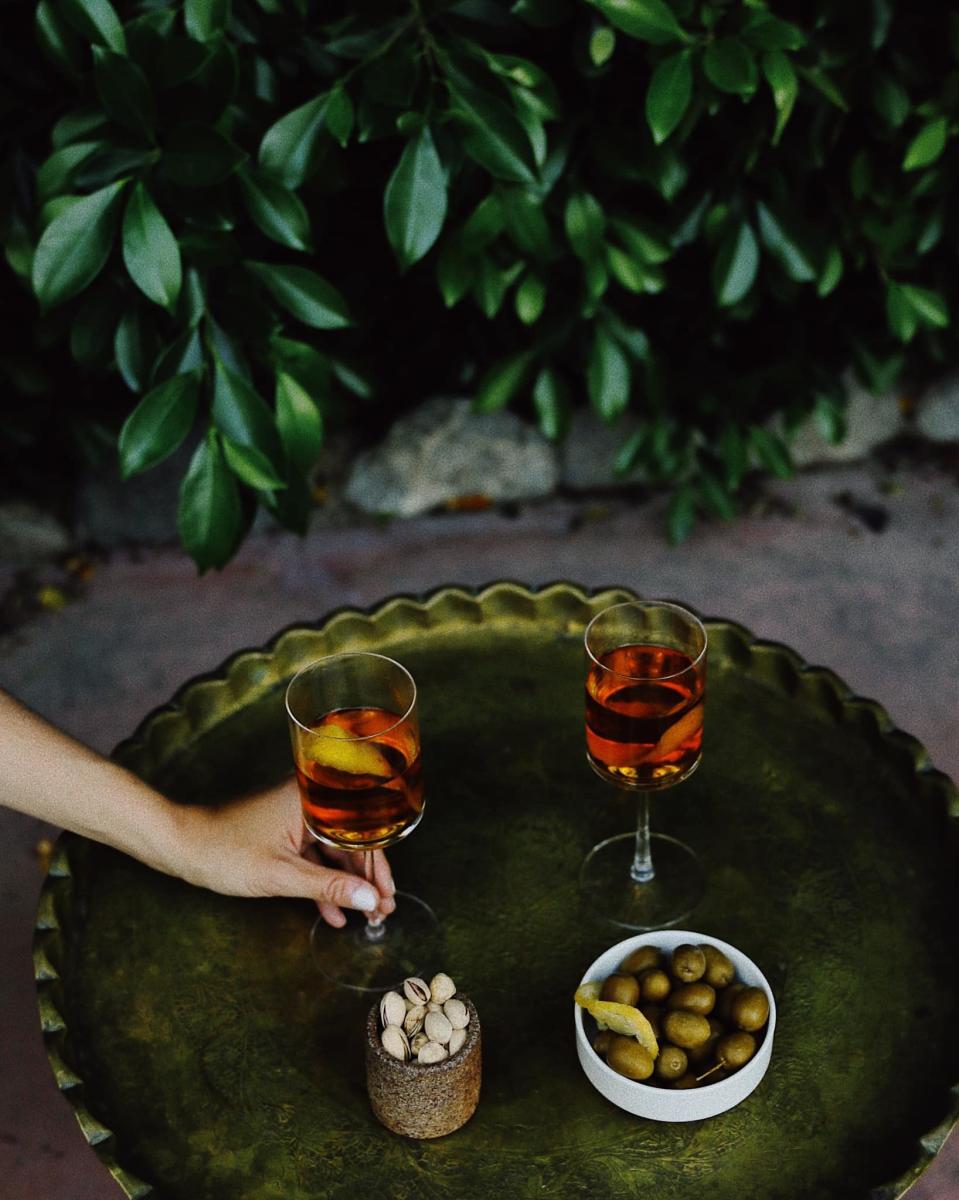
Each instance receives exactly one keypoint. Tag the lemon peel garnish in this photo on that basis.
(620, 1018)
(333, 746)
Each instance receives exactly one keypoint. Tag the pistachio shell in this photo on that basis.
(418, 1042)
(442, 987)
(416, 990)
(456, 1013)
(437, 1027)
(432, 1052)
(392, 1009)
(395, 1042)
(457, 1038)
(413, 1022)
(434, 1007)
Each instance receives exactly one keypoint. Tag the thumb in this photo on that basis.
(301, 878)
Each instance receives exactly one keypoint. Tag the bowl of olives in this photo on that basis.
(674, 1025)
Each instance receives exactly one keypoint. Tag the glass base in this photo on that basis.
(665, 900)
(410, 943)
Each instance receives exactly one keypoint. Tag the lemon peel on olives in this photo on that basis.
(625, 1020)
(586, 993)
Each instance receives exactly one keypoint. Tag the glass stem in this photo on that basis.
(642, 870)
(375, 929)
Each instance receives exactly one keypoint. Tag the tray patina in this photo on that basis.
(207, 1061)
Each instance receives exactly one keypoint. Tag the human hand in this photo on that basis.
(257, 846)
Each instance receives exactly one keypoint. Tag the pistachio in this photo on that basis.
(395, 1042)
(392, 1009)
(437, 1027)
(416, 990)
(413, 1022)
(442, 987)
(457, 1038)
(418, 1042)
(432, 1052)
(432, 1006)
(456, 1013)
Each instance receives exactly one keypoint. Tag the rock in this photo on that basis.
(871, 420)
(443, 451)
(29, 534)
(938, 414)
(588, 452)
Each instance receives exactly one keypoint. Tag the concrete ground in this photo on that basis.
(805, 568)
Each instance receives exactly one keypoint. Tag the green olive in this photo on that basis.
(621, 989)
(602, 1042)
(688, 963)
(719, 970)
(655, 985)
(654, 1015)
(641, 959)
(693, 997)
(629, 1058)
(685, 1029)
(701, 1053)
(735, 1049)
(671, 1063)
(724, 1000)
(750, 1009)
(688, 1080)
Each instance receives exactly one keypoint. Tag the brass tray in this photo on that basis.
(207, 1061)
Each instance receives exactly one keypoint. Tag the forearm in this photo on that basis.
(47, 774)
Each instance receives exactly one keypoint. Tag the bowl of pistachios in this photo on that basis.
(674, 1025)
(423, 1058)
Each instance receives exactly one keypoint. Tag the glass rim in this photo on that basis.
(330, 658)
(676, 608)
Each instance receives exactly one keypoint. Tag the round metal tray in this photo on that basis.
(207, 1061)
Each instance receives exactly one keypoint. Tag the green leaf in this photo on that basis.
(714, 496)
(770, 451)
(310, 368)
(240, 413)
(209, 518)
(276, 210)
(824, 85)
(485, 223)
(299, 421)
(339, 115)
(830, 419)
(131, 351)
(206, 19)
(455, 273)
(501, 382)
(530, 299)
(926, 146)
(736, 265)
(551, 401)
(795, 258)
(525, 222)
(642, 242)
(648, 20)
(929, 306)
(494, 137)
(158, 424)
(55, 174)
(96, 20)
(150, 250)
(304, 294)
(287, 147)
(59, 42)
(681, 513)
(670, 90)
(182, 355)
(608, 376)
(124, 92)
(628, 455)
(768, 32)
(585, 226)
(784, 86)
(735, 455)
(730, 66)
(891, 100)
(542, 14)
(252, 466)
(626, 270)
(414, 204)
(75, 246)
(602, 44)
(353, 377)
(492, 284)
(831, 272)
(198, 156)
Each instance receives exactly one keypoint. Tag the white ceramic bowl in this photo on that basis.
(664, 1104)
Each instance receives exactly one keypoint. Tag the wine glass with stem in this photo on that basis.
(645, 693)
(354, 727)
